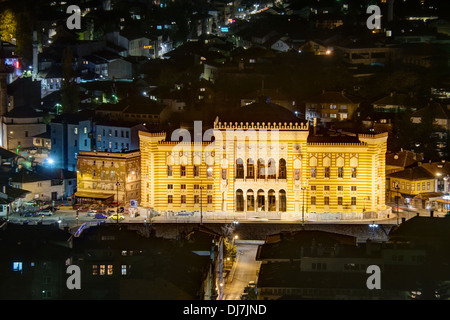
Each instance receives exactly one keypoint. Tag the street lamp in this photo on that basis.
(117, 210)
(397, 187)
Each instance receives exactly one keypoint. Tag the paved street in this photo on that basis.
(246, 270)
(68, 218)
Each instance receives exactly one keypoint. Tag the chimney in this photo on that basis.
(35, 56)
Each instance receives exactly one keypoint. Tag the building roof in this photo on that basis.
(23, 112)
(55, 71)
(337, 97)
(422, 229)
(139, 104)
(260, 112)
(324, 138)
(56, 173)
(291, 245)
(437, 169)
(398, 99)
(14, 193)
(403, 159)
(435, 108)
(26, 176)
(415, 173)
(6, 154)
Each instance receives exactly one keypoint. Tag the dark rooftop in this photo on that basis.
(415, 173)
(260, 112)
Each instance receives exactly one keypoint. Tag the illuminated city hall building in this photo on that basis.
(266, 169)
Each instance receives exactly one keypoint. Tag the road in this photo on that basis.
(68, 218)
(246, 270)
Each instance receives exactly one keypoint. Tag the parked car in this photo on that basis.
(29, 214)
(45, 213)
(114, 204)
(110, 212)
(100, 216)
(117, 217)
(91, 213)
(184, 213)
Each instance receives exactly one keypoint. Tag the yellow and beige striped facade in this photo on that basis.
(266, 168)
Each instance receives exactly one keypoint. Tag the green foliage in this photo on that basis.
(8, 25)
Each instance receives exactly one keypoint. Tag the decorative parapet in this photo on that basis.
(261, 126)
(373, 136)
(164, 142)
(152, 134)
(336, 144)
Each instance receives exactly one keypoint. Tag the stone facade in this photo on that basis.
(266, 169)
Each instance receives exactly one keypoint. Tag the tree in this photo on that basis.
(69, 88)
(8, 25)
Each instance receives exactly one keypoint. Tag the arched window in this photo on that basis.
(239, 200)
(261, 172)
(250, 200)
(282, 200)
(272, 200)
(239, 169)
(282, 169)
(272, 169)
(261, 200)
(250, 169)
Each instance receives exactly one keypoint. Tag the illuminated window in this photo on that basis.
(102, 270)
(17, 266)
(124, 270)
(110, 269)
(209, 172)
(313, 172)
(296, 174)
(224, 174)
(94, 270)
